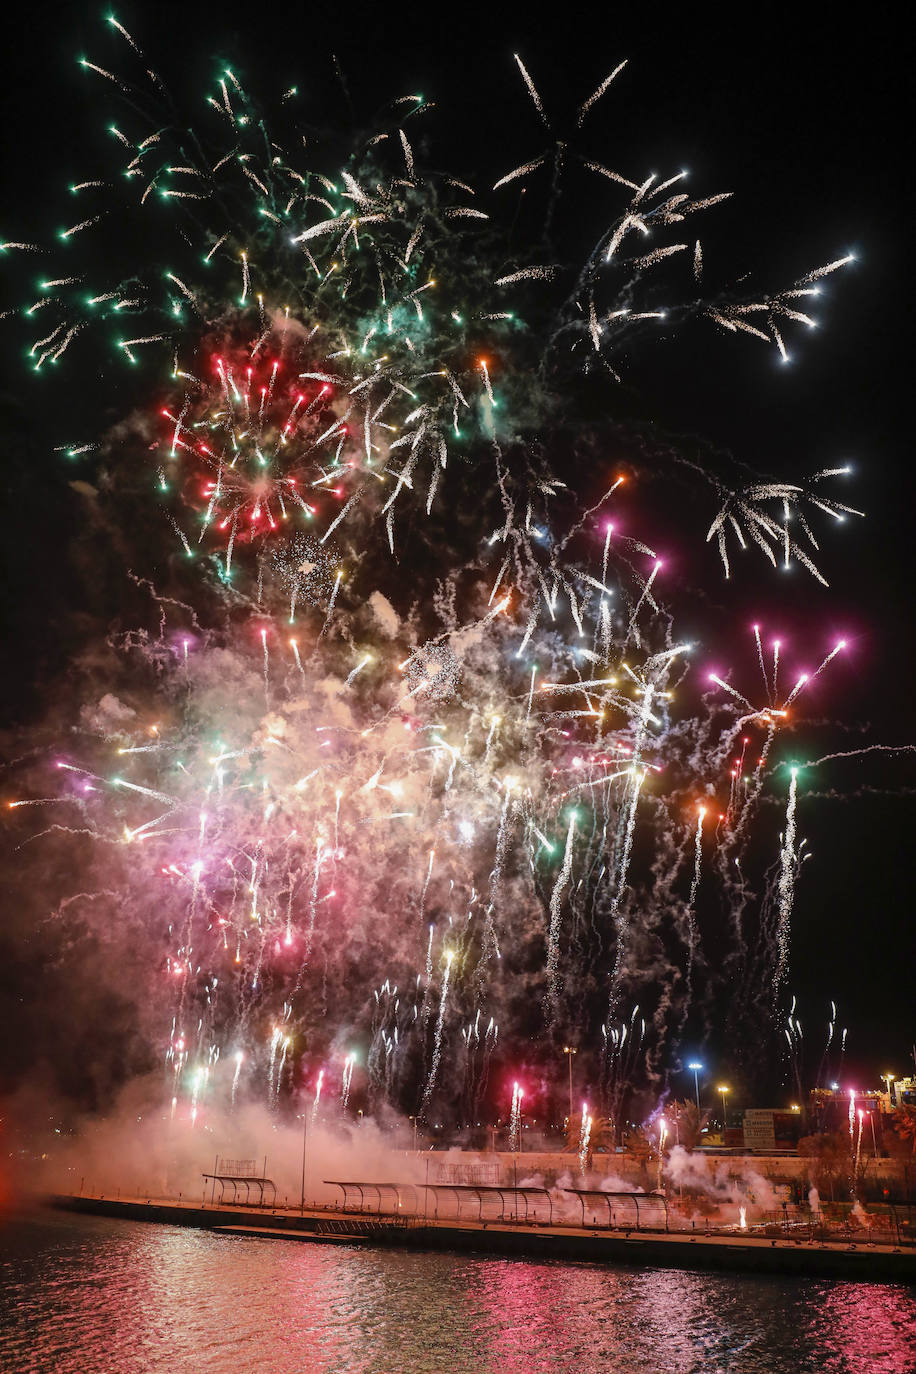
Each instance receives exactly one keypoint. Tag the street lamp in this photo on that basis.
(569, 1050)
(305, 1140)
(887, 1079)
(722, 1090)
(695, 1068)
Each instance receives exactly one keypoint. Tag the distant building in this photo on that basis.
(828, 1108)
(904, 1092)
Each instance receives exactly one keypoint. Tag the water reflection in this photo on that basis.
(865, 1327)
(85, 1295)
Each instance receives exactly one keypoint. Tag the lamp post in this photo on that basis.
(887, 1079)
(695, 1069)
(569, 1051)
(722, 1090)
(305, 1130)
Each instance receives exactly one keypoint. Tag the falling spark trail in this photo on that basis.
(317, 1100)
(763, 669)
(437, 1047)
(556, 907)
(346, 1081)
(239, 1060)
(585, 1134)
(786, 885)
(515, 1119)
(861, 753)
(691, 900)
(429, 874)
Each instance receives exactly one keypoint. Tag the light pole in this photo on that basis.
(887, 1079)
(569, 1051)
(695, 1069)
(305, 1130)
(722, 1090)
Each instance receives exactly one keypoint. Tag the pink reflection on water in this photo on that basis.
(236, 1293)
(528, 1316)
(868, 1327)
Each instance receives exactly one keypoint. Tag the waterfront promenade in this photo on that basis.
(759, 1251)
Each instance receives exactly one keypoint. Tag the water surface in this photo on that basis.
(88, 1295)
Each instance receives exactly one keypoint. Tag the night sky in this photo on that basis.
(801, 119)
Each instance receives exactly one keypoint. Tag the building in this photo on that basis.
(904, 1092)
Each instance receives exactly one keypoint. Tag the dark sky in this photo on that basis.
(801, 116)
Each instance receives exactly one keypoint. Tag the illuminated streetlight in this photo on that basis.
(695, 1067)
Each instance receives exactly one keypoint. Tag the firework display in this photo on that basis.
(410, 763)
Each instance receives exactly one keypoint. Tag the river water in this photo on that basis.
(85, 1295)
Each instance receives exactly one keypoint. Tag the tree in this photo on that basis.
(831, 1157)
(640, 1148)
(905, 1123)
(685, 1124)
(600, 1136)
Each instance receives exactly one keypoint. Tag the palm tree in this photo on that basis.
(600, 1136)
(640, 1148)
(685, 1124)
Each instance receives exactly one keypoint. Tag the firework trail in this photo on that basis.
(346, 1082)
(860, 1114)
(317, 1100)
(854, 1144)
(437, 1048)
(239, 1061)
(787, 870)
(556, 900)
(584, 1138)
(691, 900)
(623, 1047)
(662, 1134)
(795, 1039)
(515, 1118)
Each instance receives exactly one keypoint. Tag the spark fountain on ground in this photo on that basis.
(419, 723)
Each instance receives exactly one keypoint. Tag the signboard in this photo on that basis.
(468, 1174)
(759, 1130)
(238, 1168)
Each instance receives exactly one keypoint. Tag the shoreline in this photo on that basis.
(863, 1261)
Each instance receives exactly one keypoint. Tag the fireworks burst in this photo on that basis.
(466, 758)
